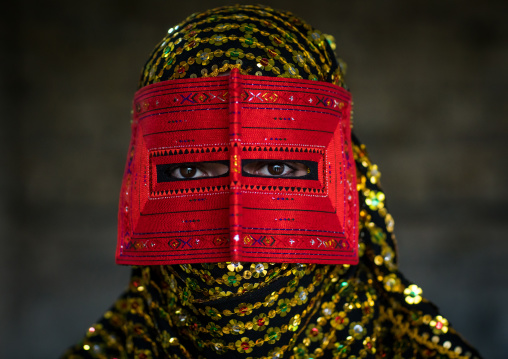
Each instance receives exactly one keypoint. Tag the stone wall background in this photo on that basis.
(430, 82)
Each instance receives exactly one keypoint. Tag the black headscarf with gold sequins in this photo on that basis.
(272, 310)
(257, 40)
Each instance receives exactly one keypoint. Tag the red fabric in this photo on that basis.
(239, 218)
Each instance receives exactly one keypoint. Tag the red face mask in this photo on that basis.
(239, 168)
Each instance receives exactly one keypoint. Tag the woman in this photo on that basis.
(254, 219)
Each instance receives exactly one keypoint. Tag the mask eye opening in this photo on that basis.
(172, 172)
(289, 169)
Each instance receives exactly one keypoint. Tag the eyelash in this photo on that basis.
(266, 163)
(172, 169)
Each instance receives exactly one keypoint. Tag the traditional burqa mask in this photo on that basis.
(240, 166)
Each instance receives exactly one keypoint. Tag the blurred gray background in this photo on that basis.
(430, 85)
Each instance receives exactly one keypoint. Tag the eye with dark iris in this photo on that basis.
(276, 169)
(194, 170)
(187, 171)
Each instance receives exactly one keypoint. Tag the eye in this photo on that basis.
(192, 170)
(276, 169)
(186, 171)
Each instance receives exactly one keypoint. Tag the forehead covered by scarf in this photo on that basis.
(257, 40)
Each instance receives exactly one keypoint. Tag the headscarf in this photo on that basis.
(272, 310)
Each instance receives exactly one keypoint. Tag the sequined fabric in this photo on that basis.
(258, 40)
(266, 310)
(272, 310)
